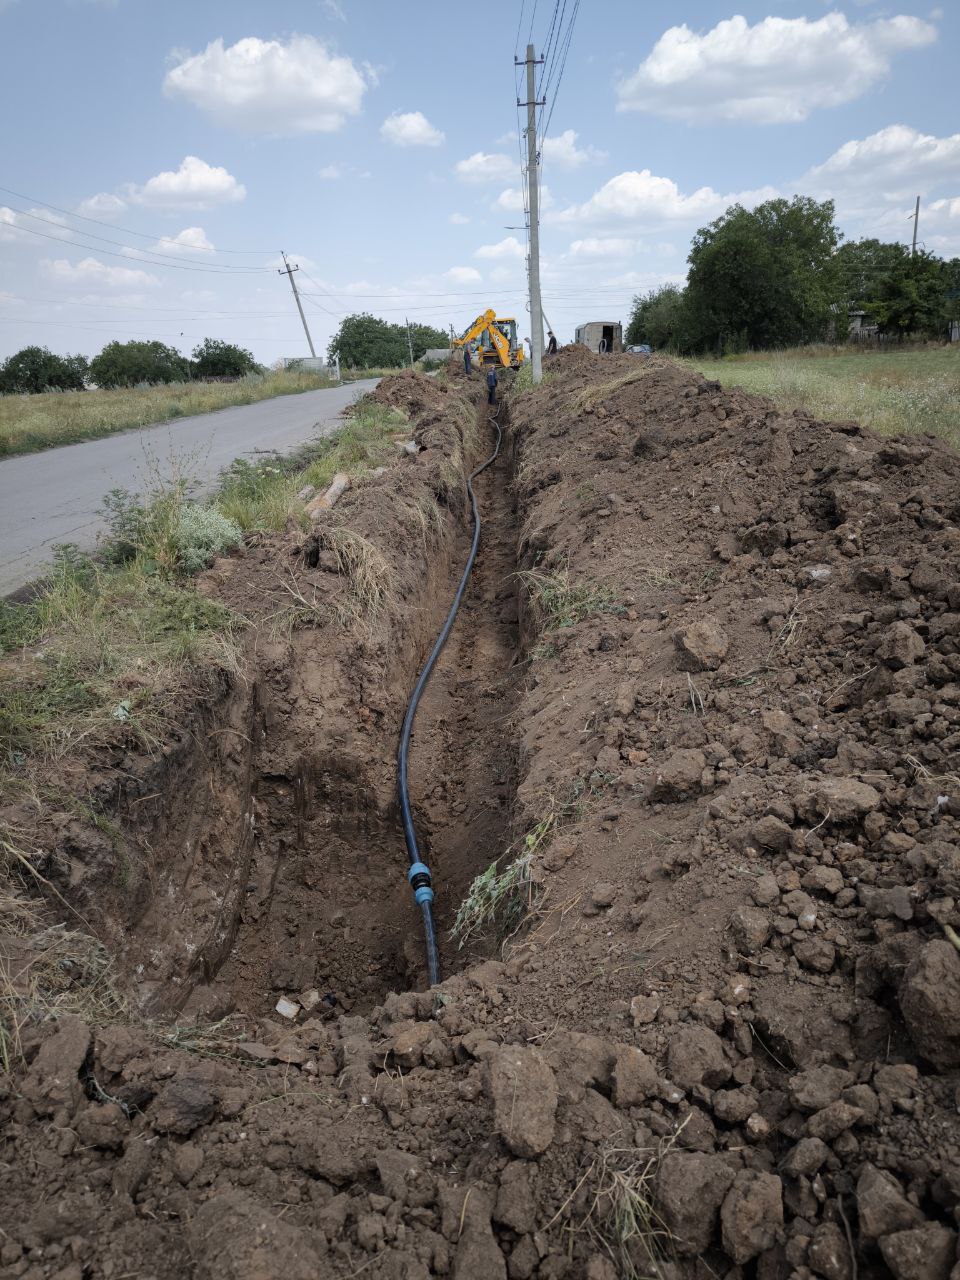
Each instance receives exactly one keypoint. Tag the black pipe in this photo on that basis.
(419, 873)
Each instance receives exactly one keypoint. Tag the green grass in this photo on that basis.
(562, 604)
(263, 495)
(894, 392)
(100, 645)
(30, 423)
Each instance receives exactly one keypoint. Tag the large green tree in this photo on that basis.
(660, 319)
(125, 364)
(905, 293)
(215, 359)
(366, 342)
(35, 369)
(765, 277)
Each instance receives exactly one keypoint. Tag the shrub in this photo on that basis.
(202, 533)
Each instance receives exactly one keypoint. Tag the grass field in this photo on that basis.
(29, 423)
(895, 392)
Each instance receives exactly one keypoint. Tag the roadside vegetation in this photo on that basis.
(110, 636)
(897, 392)
(42, 421)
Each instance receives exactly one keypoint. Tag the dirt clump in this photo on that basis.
(705, 761)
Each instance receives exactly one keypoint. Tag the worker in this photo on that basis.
(491, 386)
(551, 344)
(467, 364)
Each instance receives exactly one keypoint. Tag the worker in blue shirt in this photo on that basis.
(491, 386)
(467, 363)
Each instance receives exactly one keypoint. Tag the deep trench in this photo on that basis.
(325, 905)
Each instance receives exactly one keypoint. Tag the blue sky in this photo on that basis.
(379, 149)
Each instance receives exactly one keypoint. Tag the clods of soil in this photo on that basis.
(702, 712)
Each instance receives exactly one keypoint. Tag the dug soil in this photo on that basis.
(701, 709)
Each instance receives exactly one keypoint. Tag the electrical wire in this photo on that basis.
(419, 875)
(140, 255)
(100, 222)
(170, 266)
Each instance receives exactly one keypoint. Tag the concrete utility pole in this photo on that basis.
(288, 271)
(916, 219)
(533, 194)
(409, 343)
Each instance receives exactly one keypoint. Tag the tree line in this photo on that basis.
(781, 276)
(366, 342)
(122, 364)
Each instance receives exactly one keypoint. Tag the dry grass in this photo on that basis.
(29, 423)
(894, 392)
(599, 391)
(369, 573)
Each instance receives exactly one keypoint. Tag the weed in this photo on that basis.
(563, 604)
(621, 1215)
(201, 534)
(501, 899)
(366, 569)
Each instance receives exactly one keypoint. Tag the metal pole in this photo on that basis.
(409, 342)
(533, 191)
(916, 219)
(288, 271)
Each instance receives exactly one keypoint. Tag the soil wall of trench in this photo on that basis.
(720, 718)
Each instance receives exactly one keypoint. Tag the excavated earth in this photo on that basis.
(706, 681)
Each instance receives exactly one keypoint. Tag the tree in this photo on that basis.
(911, 299)
(764, 278)
(366, 342)
(36, 369)
(425, 338)
(215, 359)
(660, 319)
(125, 364)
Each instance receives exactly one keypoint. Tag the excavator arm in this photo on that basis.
(486, 326)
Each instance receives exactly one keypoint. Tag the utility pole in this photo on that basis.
(916, 219)
(409, 343)
(533, 194)
(288, 271)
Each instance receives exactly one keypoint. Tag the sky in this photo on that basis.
(159, 155)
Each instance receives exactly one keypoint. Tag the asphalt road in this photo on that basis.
(53, 496)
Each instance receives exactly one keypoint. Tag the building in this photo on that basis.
(601, 335)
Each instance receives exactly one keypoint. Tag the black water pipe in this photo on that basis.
(419, 873)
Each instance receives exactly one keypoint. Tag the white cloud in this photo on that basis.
(195, 185)
(459, 219)
(564, 152)
(410, 129)
(510, 247)
(189, 240)
(103, 205)
(462, 275)
(330, 172)
(333, 8)
(512, 200)
(91, 272)
(777, 71)
(603, 247)
(486, 167)
(271, 86)
(643, 195)
(895, 163)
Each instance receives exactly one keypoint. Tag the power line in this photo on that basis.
(140, 254)
(170, 266)
(141, 235)
(67, 324)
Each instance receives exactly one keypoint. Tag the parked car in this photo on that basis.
(642, 350)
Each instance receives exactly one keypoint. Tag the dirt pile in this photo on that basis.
(721, 1038)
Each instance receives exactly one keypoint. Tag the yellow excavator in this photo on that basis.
(497, 338)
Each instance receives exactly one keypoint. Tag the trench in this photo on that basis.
(321, 902)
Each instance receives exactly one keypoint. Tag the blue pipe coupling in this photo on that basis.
(420, 883)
